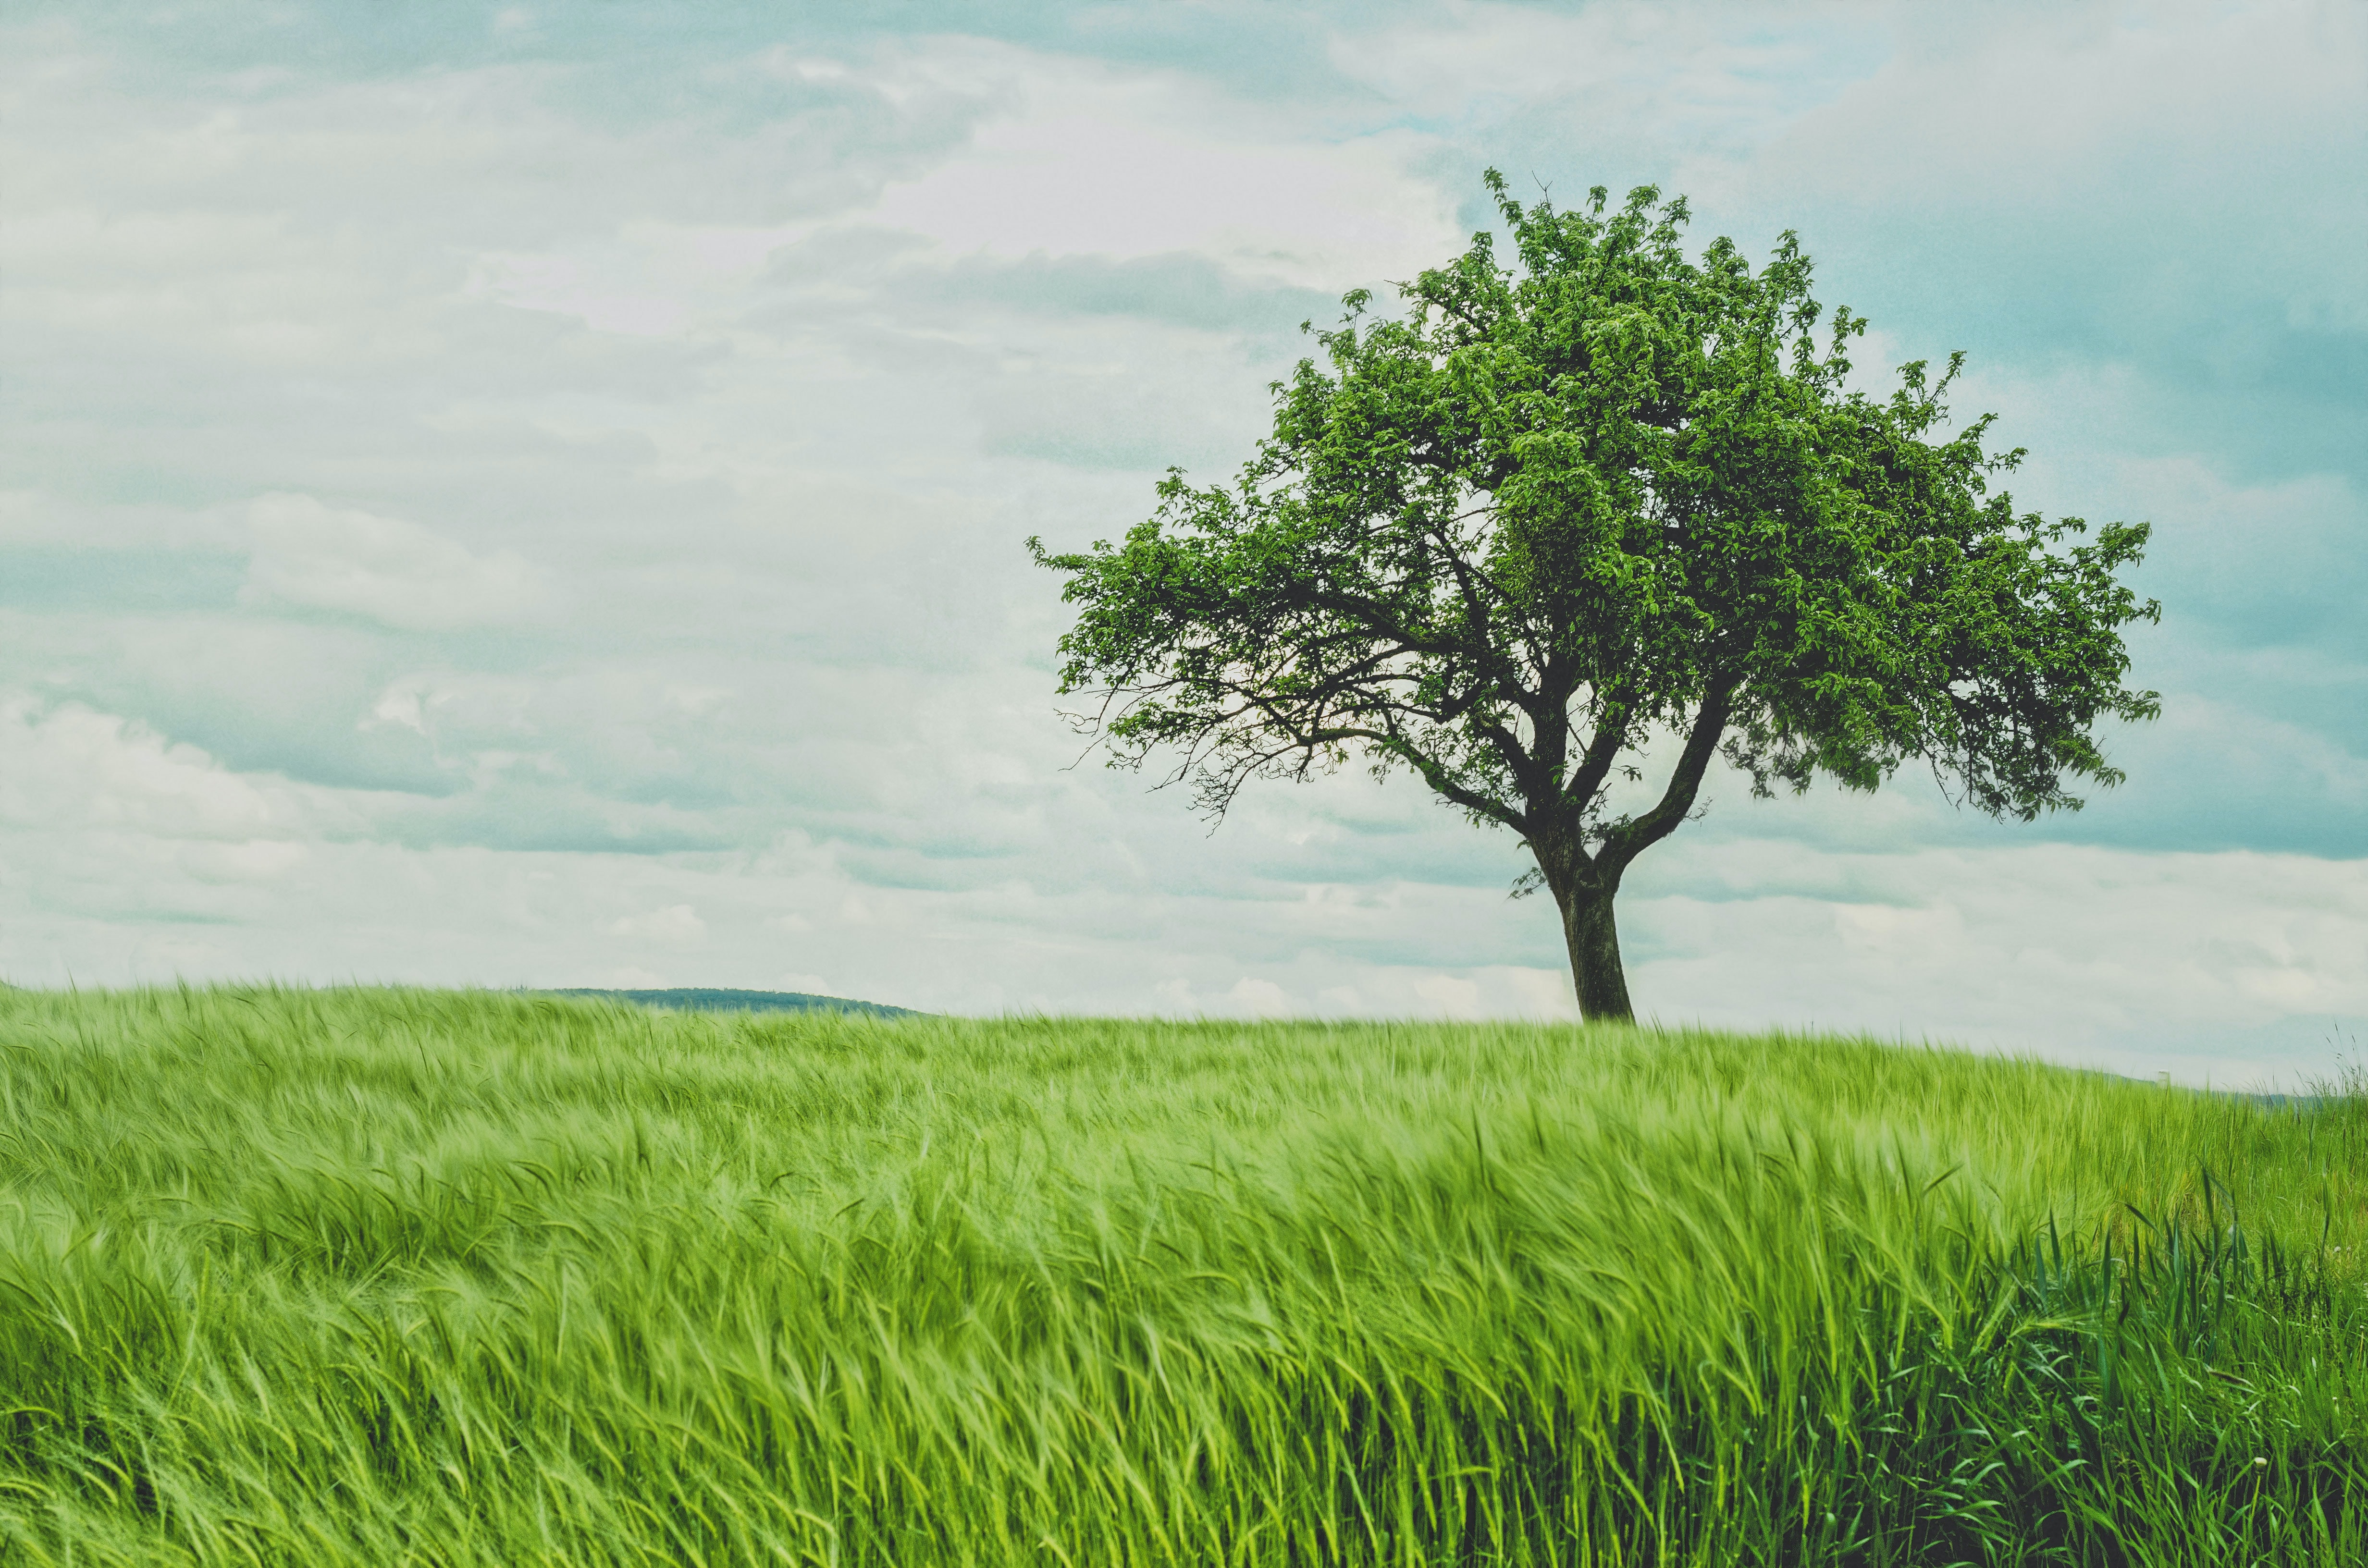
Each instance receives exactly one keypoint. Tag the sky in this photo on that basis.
(535, 496)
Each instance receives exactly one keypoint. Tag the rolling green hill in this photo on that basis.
(704, 999)
(388, 1277)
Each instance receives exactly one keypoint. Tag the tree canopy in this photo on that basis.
(1606, 506)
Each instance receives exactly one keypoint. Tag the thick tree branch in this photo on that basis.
(1389, 739)
(1595, 766)
(1625, 843)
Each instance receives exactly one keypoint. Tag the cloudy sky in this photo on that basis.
(533, 495)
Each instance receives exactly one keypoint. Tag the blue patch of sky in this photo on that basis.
(59, 578)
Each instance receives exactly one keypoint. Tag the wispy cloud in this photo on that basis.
(385, 568)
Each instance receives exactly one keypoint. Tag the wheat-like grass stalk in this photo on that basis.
(388, 1277)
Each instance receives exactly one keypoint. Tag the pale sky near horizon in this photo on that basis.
(533, 495)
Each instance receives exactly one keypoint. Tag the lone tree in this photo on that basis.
(1608, 509)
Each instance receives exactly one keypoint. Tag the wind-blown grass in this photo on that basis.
(388, 1277)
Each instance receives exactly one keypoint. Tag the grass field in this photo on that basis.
(391, 1277)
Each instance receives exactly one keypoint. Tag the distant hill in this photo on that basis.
(703, 999)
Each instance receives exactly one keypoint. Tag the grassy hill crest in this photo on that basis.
(359, 1277)
(713, 999)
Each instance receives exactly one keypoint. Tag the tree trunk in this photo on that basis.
(1594, 937)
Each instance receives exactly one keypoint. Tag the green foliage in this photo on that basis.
(383, 1278)
(1609, 494)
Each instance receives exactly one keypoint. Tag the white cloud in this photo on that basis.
(1449, 997)
(257, 860)
(385, 568)
(1088, 158)
(405, 704)
(2097, 954)
(675, 925)
(2167, 90)
(476, 708)
(1256, 996)
(1706, 76)
(69, 766)
(556, 284)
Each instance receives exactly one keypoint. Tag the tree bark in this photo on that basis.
(1593, 935)
(1583, 886)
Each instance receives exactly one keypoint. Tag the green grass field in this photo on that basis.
(391, 1277)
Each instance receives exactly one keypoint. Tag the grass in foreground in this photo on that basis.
(382, 1277)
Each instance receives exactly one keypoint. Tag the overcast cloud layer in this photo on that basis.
(533, 495)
